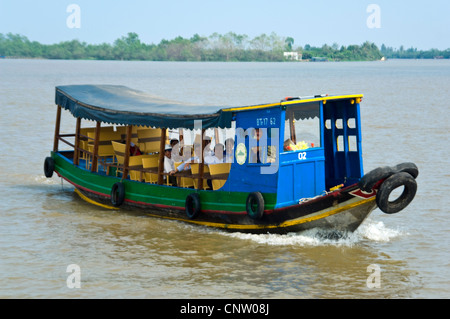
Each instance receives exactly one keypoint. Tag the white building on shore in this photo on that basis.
(294, 56)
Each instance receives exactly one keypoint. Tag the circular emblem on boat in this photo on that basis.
(241, 153)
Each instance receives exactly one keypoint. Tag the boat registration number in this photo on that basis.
(302, 155)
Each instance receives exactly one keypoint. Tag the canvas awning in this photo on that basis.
(116, 104)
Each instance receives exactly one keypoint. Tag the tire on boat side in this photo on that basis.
(192, 205)
(397, 180)
(255, 205)
(49, 167)
(369, 180)
(407, 167)
(117, 194)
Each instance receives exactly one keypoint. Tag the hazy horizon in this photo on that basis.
(347, 22)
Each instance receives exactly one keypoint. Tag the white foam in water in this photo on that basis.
(369, 230)
(377, 231)
(41, 179)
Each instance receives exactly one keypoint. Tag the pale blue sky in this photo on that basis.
(420, 24)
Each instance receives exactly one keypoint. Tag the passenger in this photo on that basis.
(186, 165)
(173, 142)
(169, 165)
(134, 149)
(197, 150)
(229, 154)
(177, 150)
(262, 154)
(207, 151)
(217, 157)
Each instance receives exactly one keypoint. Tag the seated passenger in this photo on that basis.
(217, 157)
(186, 165)
(173, 142)
(169, 165)
(207, 151)
(229, 152)
(262, 154)
(134, 149)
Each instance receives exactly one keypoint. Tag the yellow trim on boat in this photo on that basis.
(87, 199)
(243, 108)
(282, 225)
(322, 98)
(325, 98)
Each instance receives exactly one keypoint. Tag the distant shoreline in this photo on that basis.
(302, 61)
(230, 47)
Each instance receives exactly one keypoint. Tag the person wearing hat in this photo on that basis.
(169, 165)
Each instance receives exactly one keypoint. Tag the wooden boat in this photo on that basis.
(296, 164)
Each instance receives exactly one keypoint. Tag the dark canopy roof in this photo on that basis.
(117, 104)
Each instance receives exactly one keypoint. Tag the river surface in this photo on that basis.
(46, 228)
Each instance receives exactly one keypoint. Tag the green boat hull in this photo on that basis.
(219, 209)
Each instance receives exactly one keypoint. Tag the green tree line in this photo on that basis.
(216, 47)
(413, 53)
(365, 52)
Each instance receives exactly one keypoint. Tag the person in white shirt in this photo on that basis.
(186, 165)
(217, 157)
(169, 165)
(229, 154)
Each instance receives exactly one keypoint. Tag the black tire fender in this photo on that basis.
(368, 181)
(255, 205)
(193, 205)
(397, 180)
(117, 194)
(49, 167)
(407, 167)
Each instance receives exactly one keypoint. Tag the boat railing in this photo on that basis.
(62, 139)
(93, 147)
(217, 179)
(136, 170)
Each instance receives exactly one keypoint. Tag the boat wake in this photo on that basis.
(370, 230)
(41, 179)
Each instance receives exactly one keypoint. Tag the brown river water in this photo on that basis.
(45, 227)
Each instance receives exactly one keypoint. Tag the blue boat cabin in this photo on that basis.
(298, 150)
